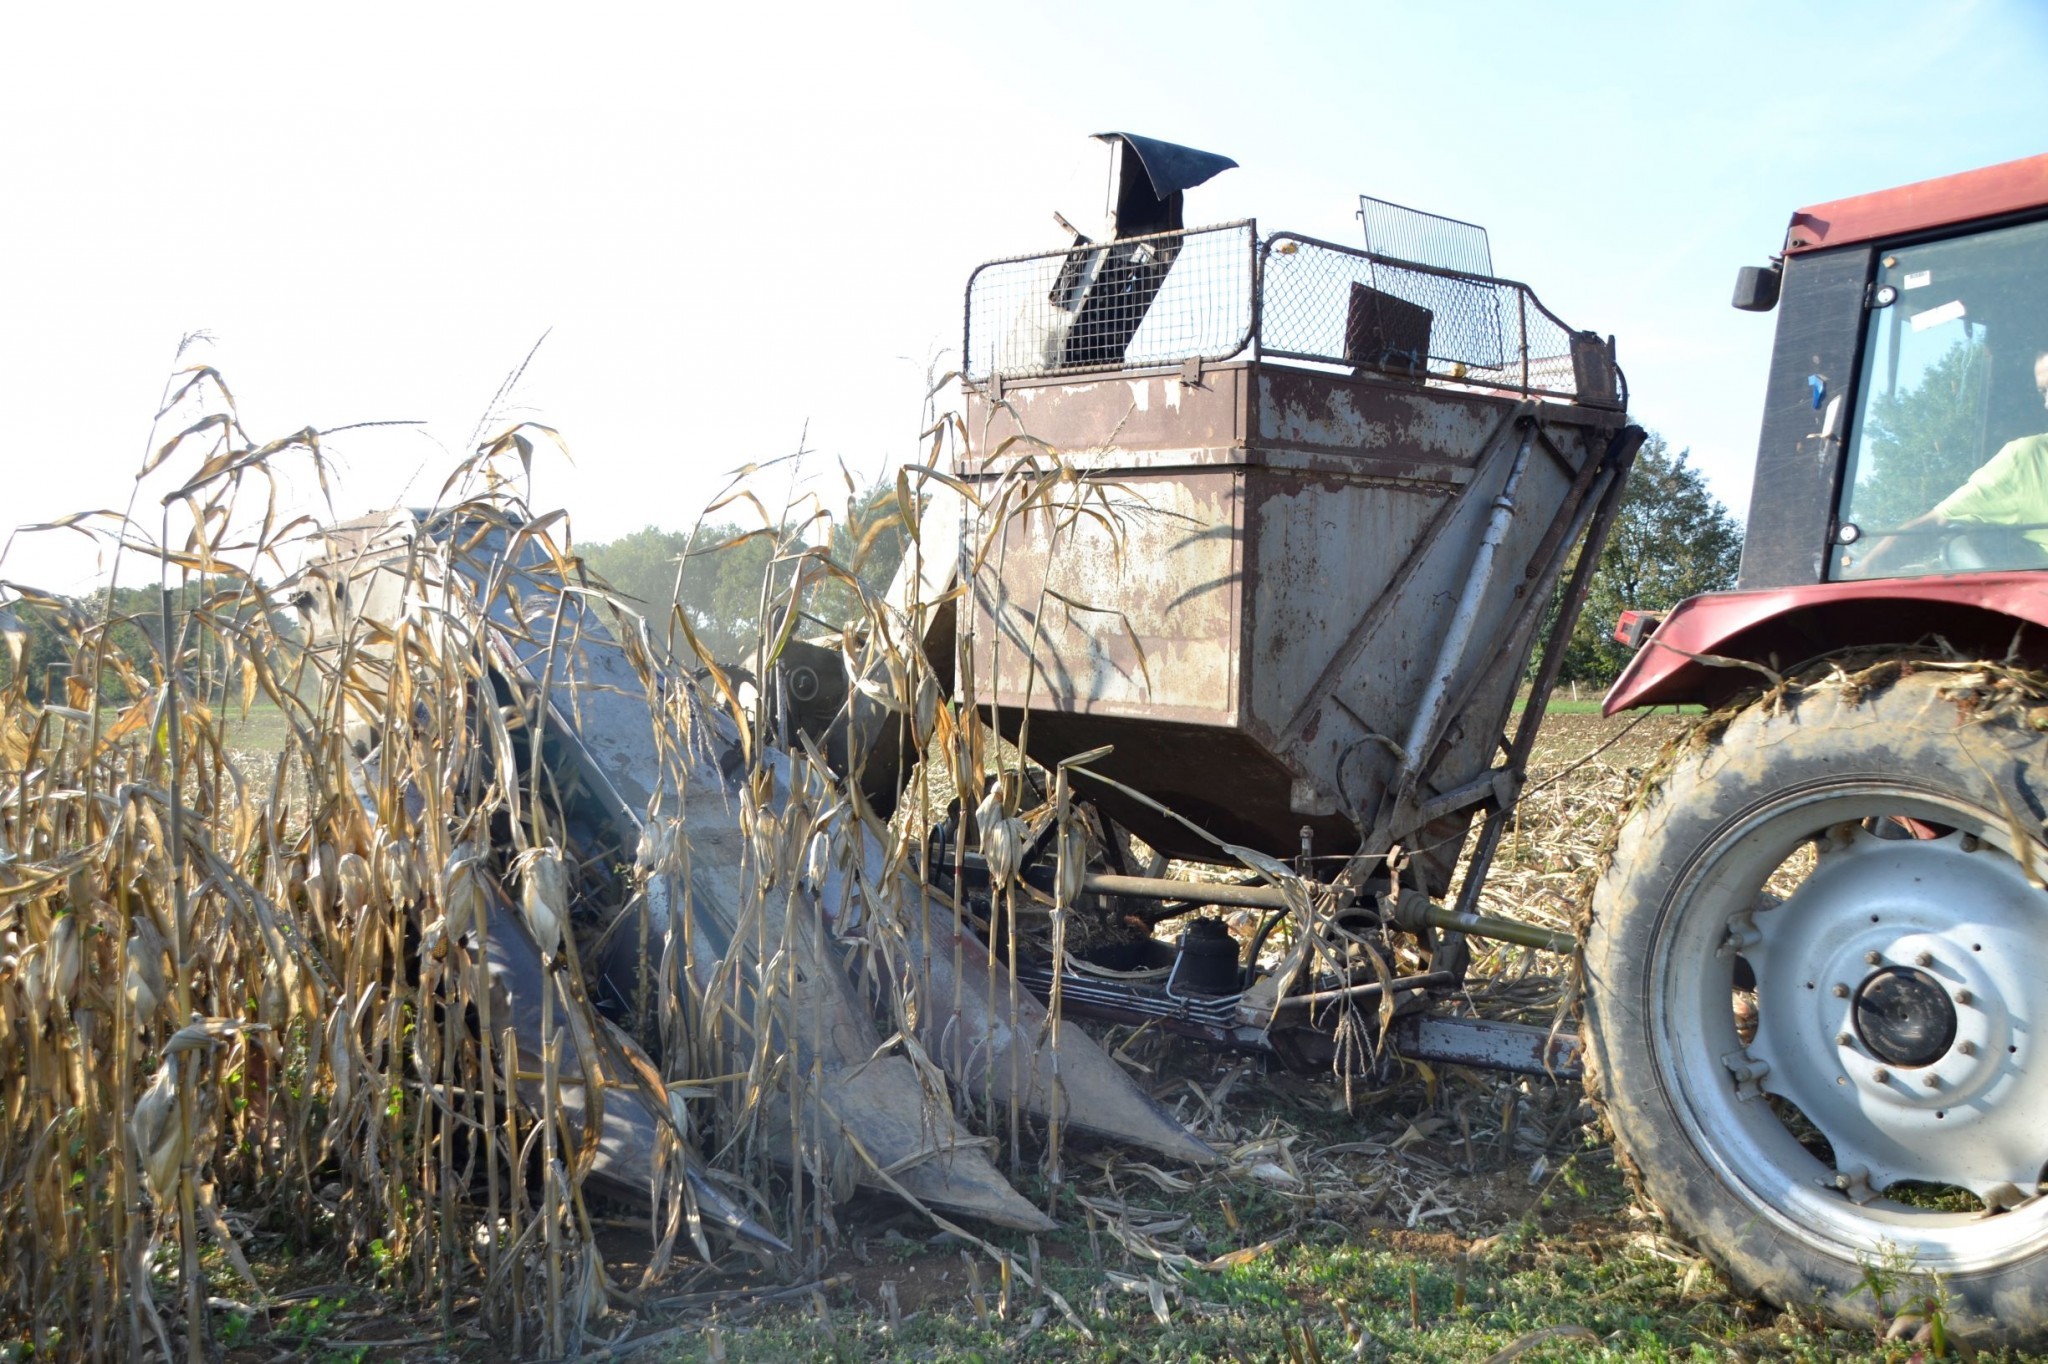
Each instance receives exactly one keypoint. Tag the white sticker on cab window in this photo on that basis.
(1917, 279)
(1934, 317)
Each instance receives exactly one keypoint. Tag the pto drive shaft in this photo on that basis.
(1415, 911)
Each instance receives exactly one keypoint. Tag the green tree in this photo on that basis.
(724, 566)
(720, 591)
(36, 632)
(1923, 441)
(61, 635)
(1671, 539)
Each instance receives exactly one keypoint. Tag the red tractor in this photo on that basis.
(1818, 1028)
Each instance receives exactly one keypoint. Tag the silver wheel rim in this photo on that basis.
(1970, 917)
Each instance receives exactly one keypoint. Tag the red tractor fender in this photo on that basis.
(1701, 652)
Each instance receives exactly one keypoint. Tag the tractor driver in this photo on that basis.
(2009, 489)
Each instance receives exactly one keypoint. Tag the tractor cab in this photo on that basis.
(1901, 486)
(1946, 466)
(1812, 991)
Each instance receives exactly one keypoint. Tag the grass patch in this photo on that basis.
(262, 730)
(1569, 1261)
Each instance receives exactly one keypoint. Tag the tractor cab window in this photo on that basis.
(1948, 471)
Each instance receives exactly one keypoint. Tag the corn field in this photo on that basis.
(351, 990)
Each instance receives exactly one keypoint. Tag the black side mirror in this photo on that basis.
(1756, 287)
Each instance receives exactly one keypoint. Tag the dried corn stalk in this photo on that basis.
(350, 987)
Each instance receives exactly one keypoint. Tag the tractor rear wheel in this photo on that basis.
(1817, 1014)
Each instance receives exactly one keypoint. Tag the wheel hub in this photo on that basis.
(1905, 1017)
(1897, 1008)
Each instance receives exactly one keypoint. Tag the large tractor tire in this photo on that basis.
(1817, 998)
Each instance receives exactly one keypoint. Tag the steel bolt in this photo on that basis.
(1843, 1039)
(1924, 959)
(1840, 992)
(1965, 997)
(1874, 958)
(1881, 1075)
(1932, 1081)
(1967, 1047)
(1971, 842)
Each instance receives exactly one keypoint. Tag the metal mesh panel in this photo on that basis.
(1154, 300)
(1426, 238)
(1333, 304)
(1209, 293)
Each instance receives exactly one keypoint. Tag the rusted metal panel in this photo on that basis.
(1288, 607)
(1344, 691)
(1126, 420)
(1325, 552)
(1384, 690)
(1218, 778)
(1382, 428)
(1134, 616)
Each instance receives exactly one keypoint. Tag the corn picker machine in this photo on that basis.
(1248, 547)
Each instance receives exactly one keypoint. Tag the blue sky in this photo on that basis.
(751, 227)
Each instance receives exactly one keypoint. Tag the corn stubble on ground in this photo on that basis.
(300, 1049)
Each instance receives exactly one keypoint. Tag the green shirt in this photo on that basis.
(2009, 489)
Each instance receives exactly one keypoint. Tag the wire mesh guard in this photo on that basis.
(1409, 234)
(1155, 300)
(1331, 303)
(1211, 293)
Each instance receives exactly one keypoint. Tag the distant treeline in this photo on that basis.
(53, 638)
(1672, 538)
(723, 566)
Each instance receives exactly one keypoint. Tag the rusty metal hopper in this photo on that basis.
(1331, 497)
